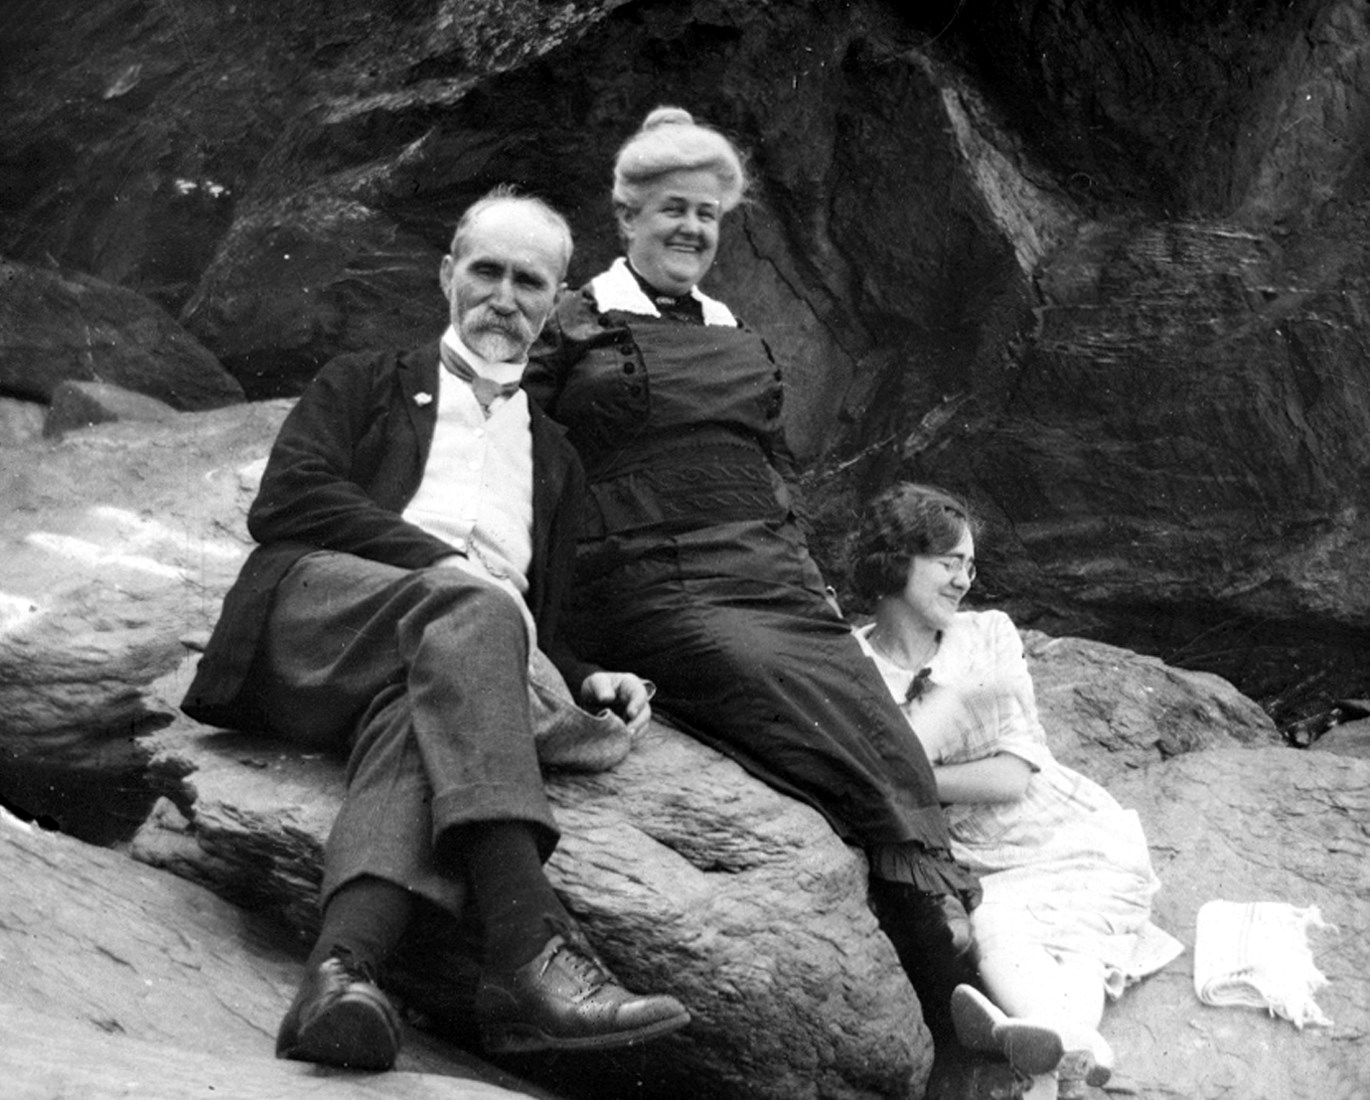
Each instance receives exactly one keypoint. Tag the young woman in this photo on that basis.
(1066, 872)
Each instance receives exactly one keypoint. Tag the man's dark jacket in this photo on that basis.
(348, 459)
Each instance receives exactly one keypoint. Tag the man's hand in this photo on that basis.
(626, 694)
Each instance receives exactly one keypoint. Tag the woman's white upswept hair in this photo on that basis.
(671, 140)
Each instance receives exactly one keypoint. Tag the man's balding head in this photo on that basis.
(507, 264)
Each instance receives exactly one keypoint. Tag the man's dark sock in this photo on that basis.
(517, 905)
(365, 917)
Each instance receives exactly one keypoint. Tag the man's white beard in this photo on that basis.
(495, 344)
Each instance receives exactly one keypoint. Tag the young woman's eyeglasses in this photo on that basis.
(954, 564)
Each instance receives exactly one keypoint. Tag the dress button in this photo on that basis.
(629, 368)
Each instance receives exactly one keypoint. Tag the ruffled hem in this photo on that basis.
(930, 870)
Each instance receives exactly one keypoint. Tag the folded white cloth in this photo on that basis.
(1256, 954)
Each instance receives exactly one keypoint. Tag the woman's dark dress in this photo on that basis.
(693, 573)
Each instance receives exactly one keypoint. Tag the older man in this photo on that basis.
(416, 530)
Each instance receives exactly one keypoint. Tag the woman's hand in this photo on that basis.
(1002, 777)
(629, 696)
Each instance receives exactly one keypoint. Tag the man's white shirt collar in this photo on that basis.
(495, 371)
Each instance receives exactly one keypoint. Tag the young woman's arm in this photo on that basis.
(1002, 777)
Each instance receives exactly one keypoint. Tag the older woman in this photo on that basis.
(1067, 875)
(693, 571)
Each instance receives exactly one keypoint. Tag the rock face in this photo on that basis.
(1099, 266)
(123, 981)
(1110, 711)
(1206, 817)
(77, 405)
(75, 328)
(20, 421)
(689, 875)
(119, 542)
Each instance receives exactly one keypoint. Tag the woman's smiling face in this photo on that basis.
(938, 582)
(673, 238)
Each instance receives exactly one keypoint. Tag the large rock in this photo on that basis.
(690, 875)
(119, 541)
(57, 328)
(20, 421)
(122, 981)
(1102, 268)
(1108, 710)
(76, 405)
(1348, 739)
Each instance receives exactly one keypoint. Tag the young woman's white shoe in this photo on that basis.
(1031, 1047)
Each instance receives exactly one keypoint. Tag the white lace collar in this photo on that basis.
(618, 289)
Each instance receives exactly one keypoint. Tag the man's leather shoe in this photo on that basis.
(566, 999)
(340, 1017)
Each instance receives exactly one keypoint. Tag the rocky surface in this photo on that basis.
(1110, 711)
(122, 981)
(689, 875)
(57, 328)
(1101, 266)
(20, 421)
(1265, 825)
(675, 860)
(686, 874)
(77, 405)
(1347, 739)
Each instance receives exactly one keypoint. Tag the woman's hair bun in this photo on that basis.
(670, 140)
(668, 116)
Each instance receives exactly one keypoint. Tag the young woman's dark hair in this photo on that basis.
(905, 520)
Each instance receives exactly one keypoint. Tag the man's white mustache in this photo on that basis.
(498, 324)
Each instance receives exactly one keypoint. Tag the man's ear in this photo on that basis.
(445, 274)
